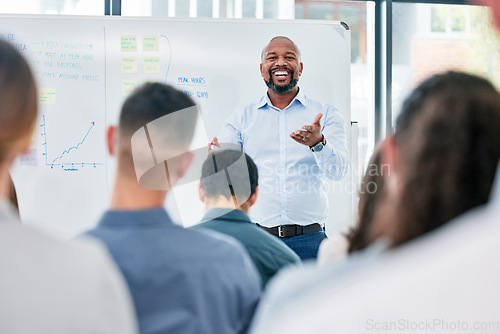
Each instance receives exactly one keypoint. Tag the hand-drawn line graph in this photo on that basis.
(71, 164)
(73, 147)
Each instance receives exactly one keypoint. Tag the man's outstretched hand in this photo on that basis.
(310, 135)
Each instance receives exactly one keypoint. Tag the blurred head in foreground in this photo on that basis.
(443, 156)
(18, 110)
(152, 139)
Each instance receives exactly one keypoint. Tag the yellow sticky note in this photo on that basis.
(150, 43)
(151, 64)
(47, 95)
(128, 86)
(128, 43)
(129, 64)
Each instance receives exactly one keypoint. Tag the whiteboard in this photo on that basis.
(86, 66)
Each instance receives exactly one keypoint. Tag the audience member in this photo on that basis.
(443, 159)
(228, 188)
(181, 280)
(337, 247)
(47, 285)
(443, 156)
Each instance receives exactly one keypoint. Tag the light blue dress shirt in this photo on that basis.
(291, 177)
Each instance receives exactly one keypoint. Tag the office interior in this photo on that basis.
(395, 44)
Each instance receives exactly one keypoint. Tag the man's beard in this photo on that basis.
(281, 89)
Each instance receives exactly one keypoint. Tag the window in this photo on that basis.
(450, 19)
(355, 14)
(75, 7)
(438, 18)
(459, 38)
(204, 9)
(181, 8)
(271, 9)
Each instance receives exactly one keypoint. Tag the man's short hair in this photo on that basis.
(226, 173)
(152, 101)
(156, 127)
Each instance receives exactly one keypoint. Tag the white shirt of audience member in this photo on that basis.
(445, 282)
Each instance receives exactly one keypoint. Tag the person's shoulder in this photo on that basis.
(266, 243)
(210, 236)
(220, 250)
(79, 276)
(31, 239)
(211, 241)
(61, 257)
(212, 224)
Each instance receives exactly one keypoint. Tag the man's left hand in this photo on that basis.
(310, 135)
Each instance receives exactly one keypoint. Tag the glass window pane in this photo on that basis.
(355, 47)
(299, 11)
(349, 14)
(249, 8)
(75, 7)
(182, 8)
(356, 14)
(158, 7)
(271, 8)
(419, 53)
(223, 8)
(204, 8)
(321, 11)
(438, 18)
(458, 18)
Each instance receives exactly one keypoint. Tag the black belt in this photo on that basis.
(287, 231)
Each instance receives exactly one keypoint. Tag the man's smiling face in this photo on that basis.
(281, 66)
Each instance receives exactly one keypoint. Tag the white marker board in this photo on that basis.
(85, 67)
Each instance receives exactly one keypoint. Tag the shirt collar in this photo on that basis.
(300, 97)
(237, 216)
(136, 218)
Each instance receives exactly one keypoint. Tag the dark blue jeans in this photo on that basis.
(306, 245)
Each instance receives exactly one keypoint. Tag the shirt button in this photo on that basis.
(283, 211)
